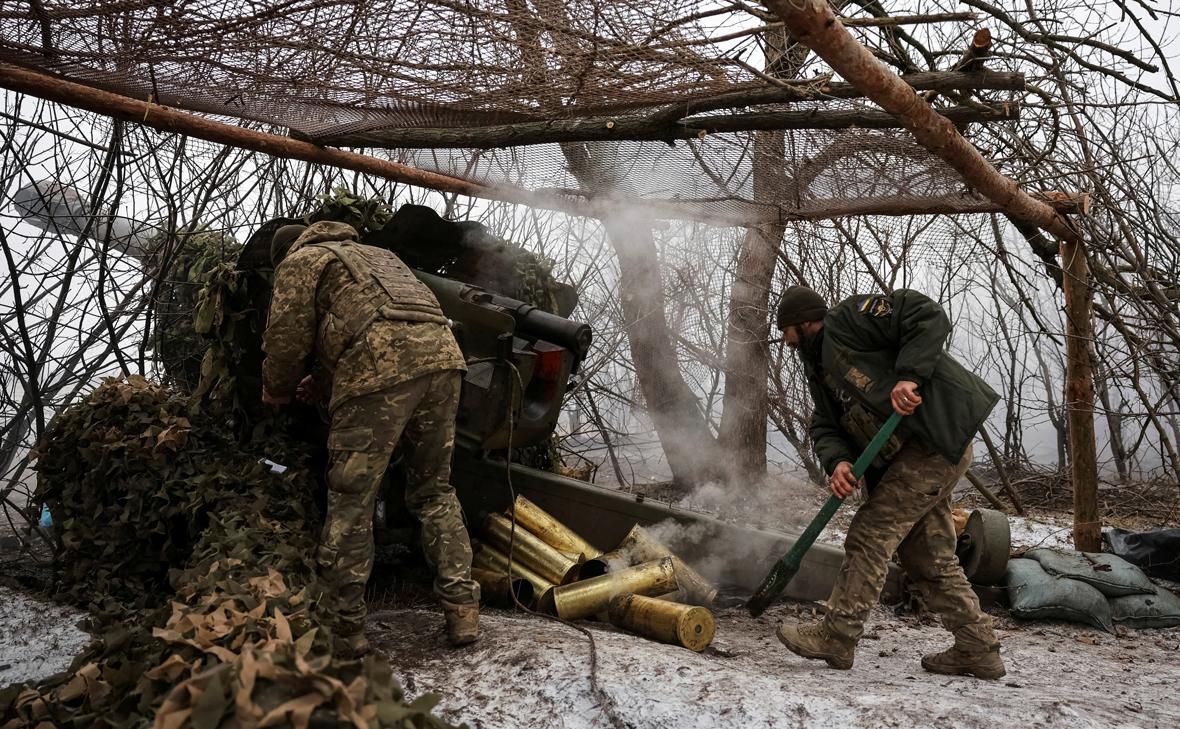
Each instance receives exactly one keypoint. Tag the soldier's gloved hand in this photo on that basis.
(905, 397)
(842, 482)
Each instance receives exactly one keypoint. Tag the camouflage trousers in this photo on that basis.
(909, 511)
(420, 414)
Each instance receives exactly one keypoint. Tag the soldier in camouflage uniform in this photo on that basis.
(866, 357)
(378, 339)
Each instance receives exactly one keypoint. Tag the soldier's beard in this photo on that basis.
(811, 345)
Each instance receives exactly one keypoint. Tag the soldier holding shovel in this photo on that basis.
(865, 357)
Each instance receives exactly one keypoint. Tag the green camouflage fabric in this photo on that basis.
(909, 511)
(310, 305)
(419, 417)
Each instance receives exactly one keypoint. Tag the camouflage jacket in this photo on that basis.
(303, 328)
(868, 344)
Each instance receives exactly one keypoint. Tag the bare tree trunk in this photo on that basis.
(683, 431)
(1079, 398)
(742, 434)
(743, 420)
(1114, 423)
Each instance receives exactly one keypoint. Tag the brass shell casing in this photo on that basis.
(640, 546)
(590, 597)
(497, 587)
(593, 568)
(668, 622)
(538, 556)
(493, 560)
(551, 531)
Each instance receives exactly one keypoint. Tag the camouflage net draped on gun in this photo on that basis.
(198, 563)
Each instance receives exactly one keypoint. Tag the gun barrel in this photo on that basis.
(574, 336)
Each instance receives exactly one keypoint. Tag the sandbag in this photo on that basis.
(1157, 552)
(1035, 594)
(1110, 574)
(1160, 609)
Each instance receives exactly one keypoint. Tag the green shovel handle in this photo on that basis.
(786, 567)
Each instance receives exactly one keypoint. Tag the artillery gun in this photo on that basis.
(522, 358)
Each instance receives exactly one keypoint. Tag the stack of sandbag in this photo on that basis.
(1097, 589)
(529, 557)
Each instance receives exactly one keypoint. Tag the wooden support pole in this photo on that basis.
(814, 23)
(711, 212)
(892, 20)
(1079, 397)
(166, 119)
(642, 128)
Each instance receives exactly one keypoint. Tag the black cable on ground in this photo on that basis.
(604, 700)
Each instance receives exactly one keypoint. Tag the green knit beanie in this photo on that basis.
(799, 304)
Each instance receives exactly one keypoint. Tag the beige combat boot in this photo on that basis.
(814, 640)
(961, 660)
(462, 622)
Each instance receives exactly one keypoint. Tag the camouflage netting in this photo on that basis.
(198, 564)
(370, 73)
(186, 305)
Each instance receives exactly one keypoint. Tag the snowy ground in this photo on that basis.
(533, 672)
(529, 672)
(37, 638)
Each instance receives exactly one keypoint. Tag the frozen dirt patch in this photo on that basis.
(530, 672)
(38, 638)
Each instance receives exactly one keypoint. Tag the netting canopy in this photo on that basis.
(521, 92)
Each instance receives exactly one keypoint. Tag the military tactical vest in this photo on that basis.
(860, 423)
(381, 288)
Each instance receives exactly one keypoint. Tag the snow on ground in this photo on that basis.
(1028, 532)
(1041, 531)
(38, 638)
(529, 671)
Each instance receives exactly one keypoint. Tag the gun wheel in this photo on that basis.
(984, 547)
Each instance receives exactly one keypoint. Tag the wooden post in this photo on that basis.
(1079, 397)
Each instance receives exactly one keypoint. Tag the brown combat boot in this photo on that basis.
(814, 640)
(462, 622)
(960, 660)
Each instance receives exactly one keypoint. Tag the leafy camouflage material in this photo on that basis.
(189, 306)
(198, 563)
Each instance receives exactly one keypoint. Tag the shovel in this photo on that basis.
(785, 568)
